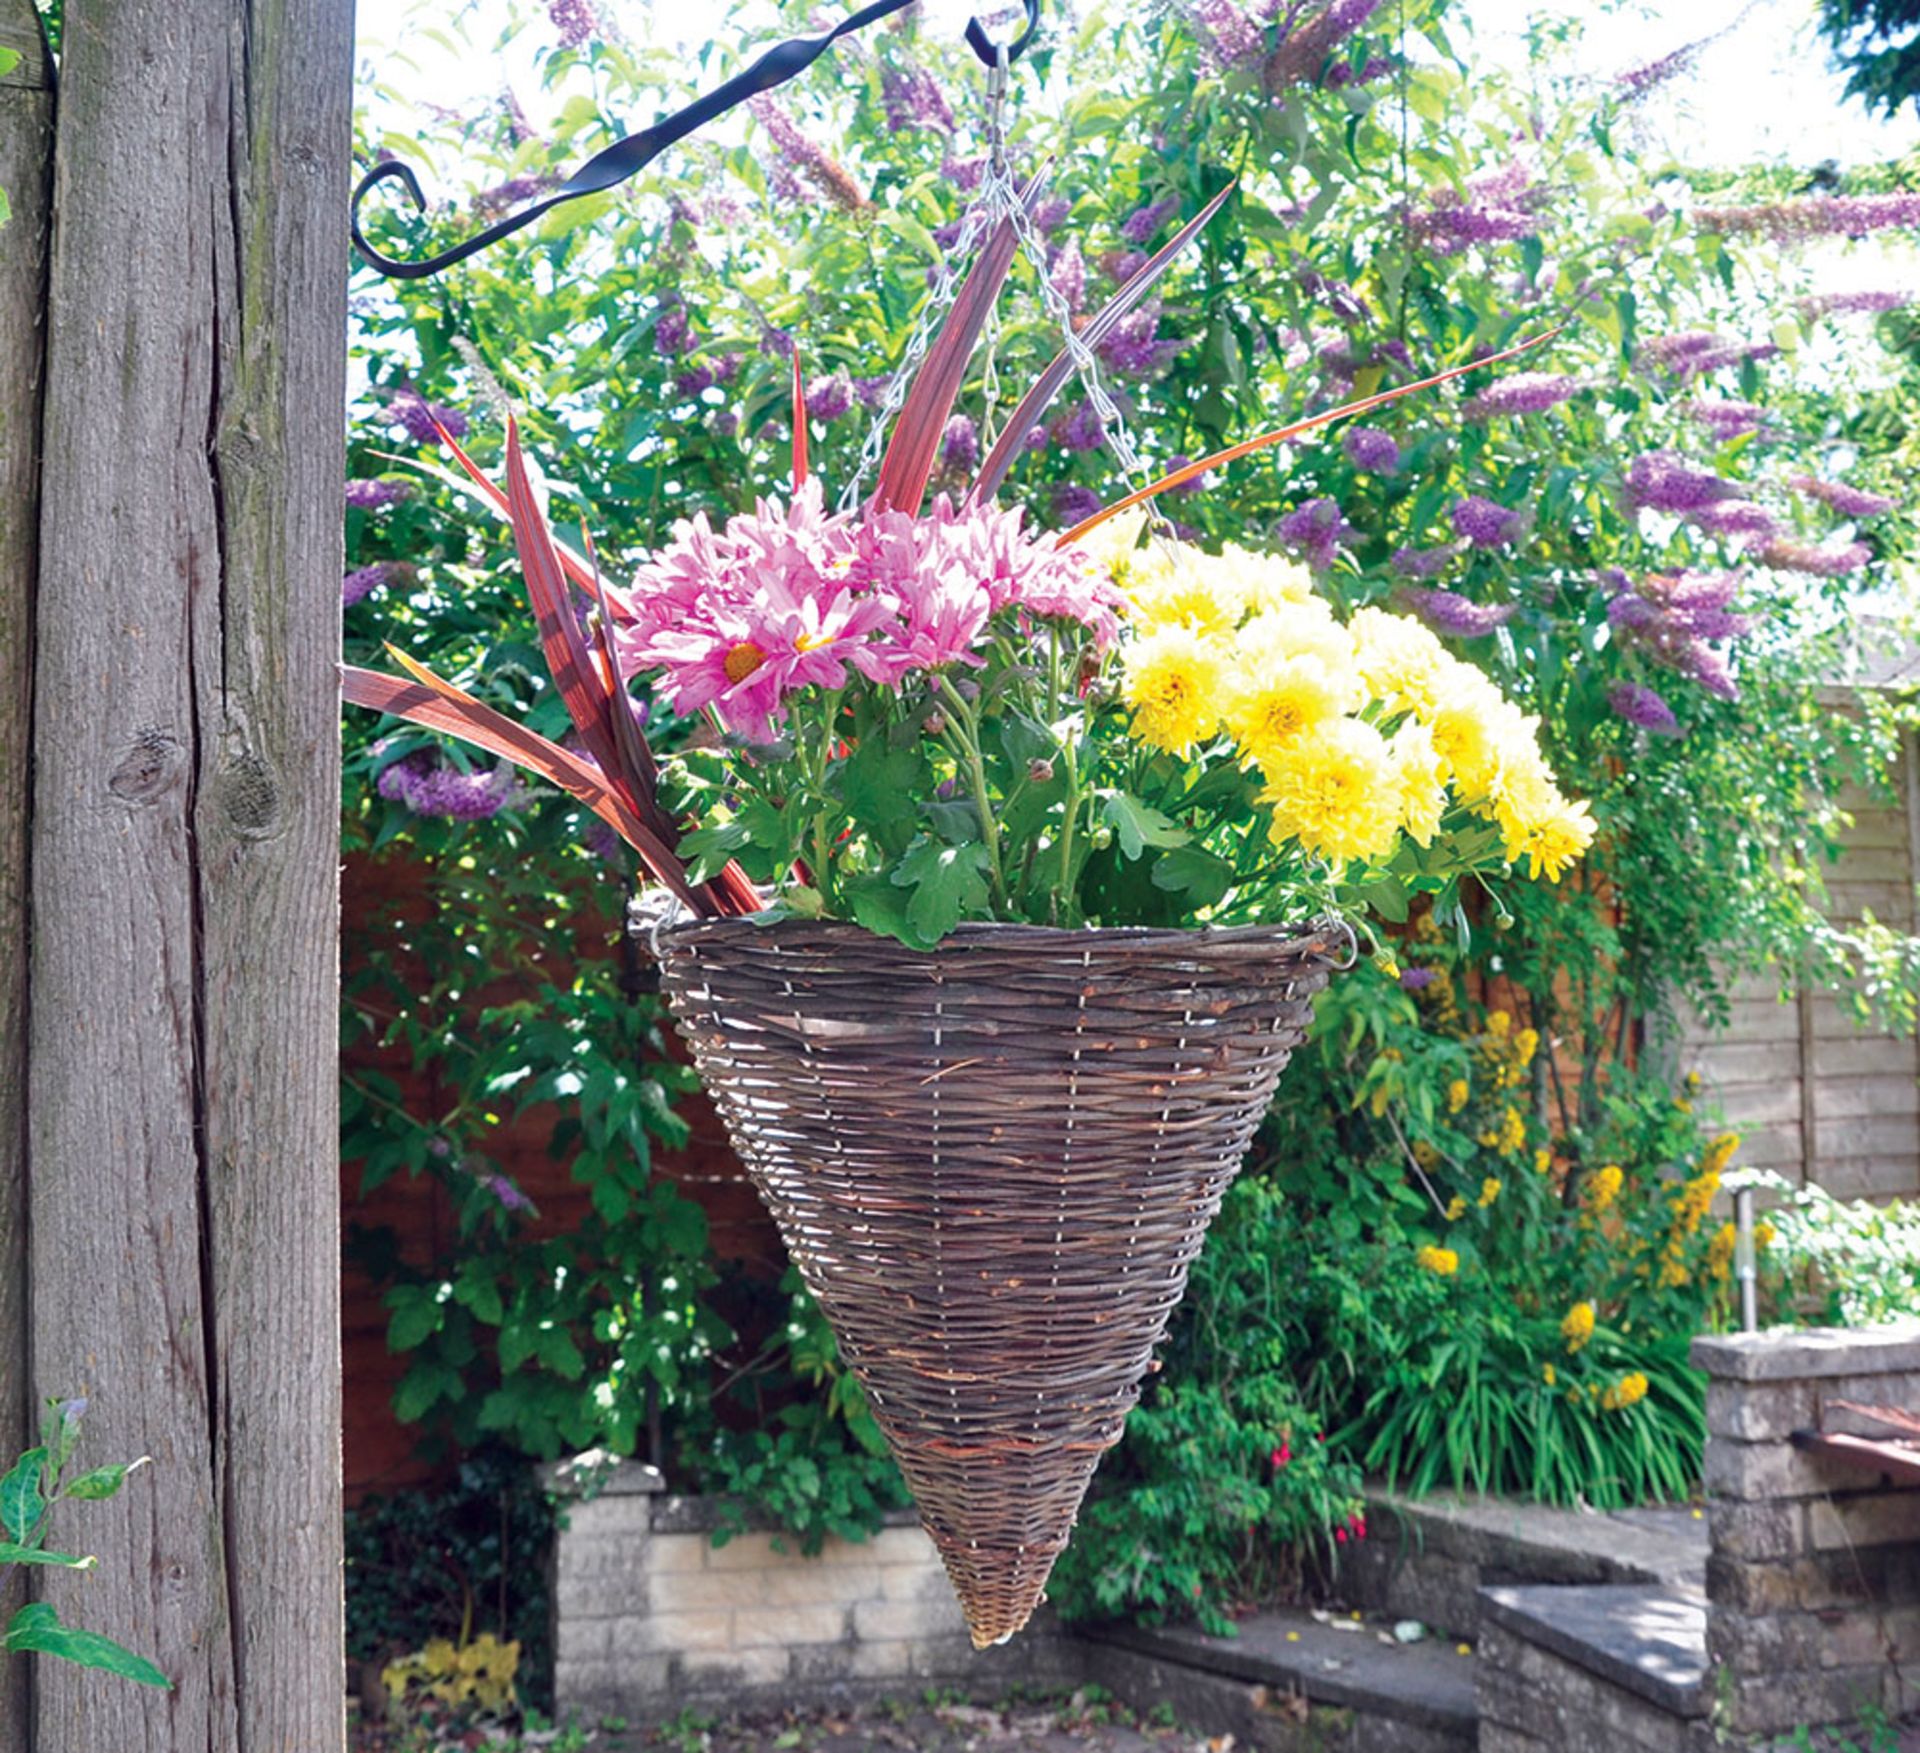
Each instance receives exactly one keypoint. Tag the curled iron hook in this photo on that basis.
(614, 164)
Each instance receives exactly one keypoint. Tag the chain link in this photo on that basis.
(998, 198)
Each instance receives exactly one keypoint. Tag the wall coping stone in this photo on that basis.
(1809, 1353)
(706, 1515)
(599, 1473)
(1648, 1640)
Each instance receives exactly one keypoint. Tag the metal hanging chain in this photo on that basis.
(998, 198)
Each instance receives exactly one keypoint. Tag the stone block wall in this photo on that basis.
(1813, 1581)
(650, 1617)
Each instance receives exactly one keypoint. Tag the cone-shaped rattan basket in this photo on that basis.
(993, 1163)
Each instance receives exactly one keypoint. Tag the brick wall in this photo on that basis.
(1814, 1579)
(650, 1617)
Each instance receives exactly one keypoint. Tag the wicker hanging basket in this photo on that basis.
(993, 1163)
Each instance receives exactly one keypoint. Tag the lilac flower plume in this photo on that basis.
(1733, 517)
(417, 416)
(1486, 523)
(1784, 555)
(1525, 392)
(1082, 429)
(1369, 448)
(1228, 36)
(1306, 44)
(364, 580)
(1448, 613)
(1416, 979)
(1850, 502)
(1644, 708)
(912, 98)
(673, 333)
(1136, 348)
(1663, 480)
(1142, 223)
(1679, 620)
(575, 20)
(1051, 214)
(507, 1194)
(1498, 207)
(1810, 216)
(1073, 504)
(828, 398)
(429, 789)
(801, 157)
(370, 495)
(1725, 418)
(1069, 274)
(960, 444)
(1832, 304)
(1427, 562)
(1316, 531)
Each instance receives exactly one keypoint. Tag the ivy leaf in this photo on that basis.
(949, 884)
(21, 1505)
(1140, 825)
(36, 1630)
(12, 1554)
(1186, 870)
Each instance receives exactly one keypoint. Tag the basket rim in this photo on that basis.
(1331, 935)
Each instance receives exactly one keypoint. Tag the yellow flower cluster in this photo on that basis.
(1726, 1239)
(1690, 1207)
(1630, 1390)
(1489, 1192)
(1509, 1136)
(1456, 1208)
(1441, 1262)
(1358, 730)
(480, 1672)
(1605, 1187)
(1457, 1094)
(1577, 1328)
(1508, 1053)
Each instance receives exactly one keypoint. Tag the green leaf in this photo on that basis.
(879, 906)
(9, 59)
(101, 1482)
(949, 883)
(1186, 870)
(416, 1317)
(21, 1505)
(36, 1630)
(1140, 825)
(879, 784)
(12, 1554)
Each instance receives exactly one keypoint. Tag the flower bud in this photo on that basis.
(1039, 771)
(934, 724)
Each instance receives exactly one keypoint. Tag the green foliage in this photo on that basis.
(29, 1490)
(1832, 1262)
(1877, 45)
(447, 1563)
(1222, 1490)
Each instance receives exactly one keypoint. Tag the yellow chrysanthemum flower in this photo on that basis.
(1472, 727)
(1457, 1094)
(1183, 590)
(1173, 682)
(1489, 1192)
(1441, 1262)
(1605, 1186)
(1577, 1327)
(1332, 789)
(1630, 1390)
(1268, 705)
(1422, 778)
(1402, 663)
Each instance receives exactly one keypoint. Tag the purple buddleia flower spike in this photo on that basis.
(1663, 480)
(1642, 707)
(829, 398)
(1427, 562)
(1486, 523)
(1369, 448)
(1073, 504)
(1316, 531)
(1526, 392)
(1803, 557)
(1848, 501)
(1453, 615)
(367, 495)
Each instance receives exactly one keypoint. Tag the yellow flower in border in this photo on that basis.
(1457, 1094)
(1512, 1136)
(1543, 1161)
(1333, 791)
(1605, 1187)
(1456, 1208)
(1630, 1390)
(1268, 581)
(1525, 1045)
(1763, 1234)
(1489, 1192)
(1720, 1153)
(1173, 683)
(1499, 1022)
(1720, 1251)
(1577, 1328)
(1441, 1262)
(1549, 1375)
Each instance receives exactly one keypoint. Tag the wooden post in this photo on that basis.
(183, 1267)
(26, 158)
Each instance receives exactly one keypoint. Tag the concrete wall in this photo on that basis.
(651, 1617)
(1813, 1581)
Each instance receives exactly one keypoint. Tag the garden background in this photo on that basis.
(1489, 1211)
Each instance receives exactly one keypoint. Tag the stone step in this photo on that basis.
(1428, 1558)
(1594, 1669)
(1291, 1682)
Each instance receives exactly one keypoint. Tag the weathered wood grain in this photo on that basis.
(26, 146)
(182, 1038)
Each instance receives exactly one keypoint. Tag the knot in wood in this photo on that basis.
(248, 792)
(154, 764)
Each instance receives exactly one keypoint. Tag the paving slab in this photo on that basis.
(1648, 1639)
(1353, 1665)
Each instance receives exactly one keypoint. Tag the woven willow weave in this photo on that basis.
(993, 1163)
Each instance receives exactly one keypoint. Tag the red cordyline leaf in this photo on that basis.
(799, 427)
(923, 420)
(433, 701)
(1280, 435)
(1048, 384)
(571, 563)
